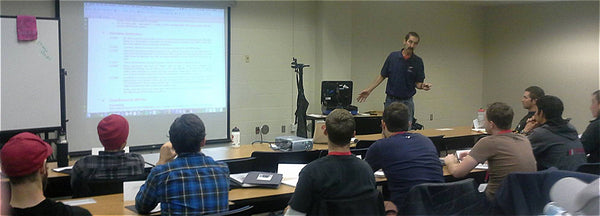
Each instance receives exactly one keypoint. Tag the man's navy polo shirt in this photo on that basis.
(402, 74)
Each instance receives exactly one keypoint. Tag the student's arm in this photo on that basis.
(362, 96)
(459, 170)
(373, 158)
(147, 198)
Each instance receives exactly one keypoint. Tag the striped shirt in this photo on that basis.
(192, 184)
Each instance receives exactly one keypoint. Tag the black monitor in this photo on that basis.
(336, 94)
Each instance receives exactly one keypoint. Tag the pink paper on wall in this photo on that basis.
(26, 28)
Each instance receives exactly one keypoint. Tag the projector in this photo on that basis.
(292, 143)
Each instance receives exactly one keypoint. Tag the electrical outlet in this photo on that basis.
(247, 58)
(257, 130)
(282, 128)
(431, 117)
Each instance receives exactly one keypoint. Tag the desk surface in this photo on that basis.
(114, 205)
(460, 131)
(244, 151)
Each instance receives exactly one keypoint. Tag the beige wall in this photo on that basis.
(552, 45)
(263, 91)
(470, 52)
(451, 47)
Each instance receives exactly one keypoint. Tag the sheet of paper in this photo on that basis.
(379, 173)
(151, 158)
(290, 170)
(79, 202)
(96, 151)
(444, 129)
(317, 115)
(290, 181)
(62, 168)
(130, 189)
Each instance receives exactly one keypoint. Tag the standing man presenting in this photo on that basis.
(405, 72)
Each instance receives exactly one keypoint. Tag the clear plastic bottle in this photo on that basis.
(480, 117)
(235, 137)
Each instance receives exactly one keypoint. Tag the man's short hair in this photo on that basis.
(396, 117)
(535, 92)
(414, 34)
(551, 106)
(187, 133)
(597, 95)
(24, 179)
(340, 126)
(501, 114)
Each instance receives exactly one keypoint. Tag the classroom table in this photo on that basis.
(114, 205)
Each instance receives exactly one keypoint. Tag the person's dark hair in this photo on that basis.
(597, 95)
(552, 108)
(187, 133)
(535, 92)
(501, 114)
(414, 34)
(24, 179)
(340, 126)
(396, 117)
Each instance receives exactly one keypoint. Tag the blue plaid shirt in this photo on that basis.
(192, 184)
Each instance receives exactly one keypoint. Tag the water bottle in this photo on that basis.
(62, 152)
(235, 137)
(552, 209)
(480, 117)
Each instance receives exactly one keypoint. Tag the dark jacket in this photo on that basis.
(556, 144)
(591, 141)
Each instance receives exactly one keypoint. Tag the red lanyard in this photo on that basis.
(339, 153)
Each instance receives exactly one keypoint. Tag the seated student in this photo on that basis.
(24, 162)
(337, 176)
(505, 152)
(113, 162)
(407, 159)
(554, 141)
(530, 96)
(591, 136)
(192, 183)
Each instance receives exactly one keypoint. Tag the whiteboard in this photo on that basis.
(29, 77)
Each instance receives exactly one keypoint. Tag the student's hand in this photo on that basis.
(462, 155)
(167, 153)
(362, 96)
(450, 159)
(531, 124)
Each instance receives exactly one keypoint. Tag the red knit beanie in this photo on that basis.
(113, 131)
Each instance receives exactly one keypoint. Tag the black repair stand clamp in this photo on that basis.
(302, 103)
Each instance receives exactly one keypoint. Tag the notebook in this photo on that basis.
(264, 179)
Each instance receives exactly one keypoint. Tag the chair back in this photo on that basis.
(97, 187)
(451, 198)
(370, 203)
(362, 152)
(438, 141)
(240, 165)
(591, 168)
(526, 193)
(239, 211)
(268, 161)
(364, 144)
